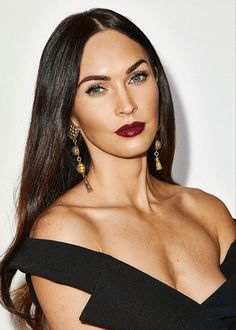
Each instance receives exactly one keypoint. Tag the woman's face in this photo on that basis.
(101, 109)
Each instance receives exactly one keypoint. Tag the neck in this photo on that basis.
(122, 181)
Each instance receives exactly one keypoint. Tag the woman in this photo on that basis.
(106, 238)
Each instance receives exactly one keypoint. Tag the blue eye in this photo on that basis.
(93, 90)
(143, 74)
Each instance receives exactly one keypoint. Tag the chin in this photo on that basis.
(133, 152)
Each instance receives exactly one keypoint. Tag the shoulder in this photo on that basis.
(192, 197)
(209, 210)
(66, 224)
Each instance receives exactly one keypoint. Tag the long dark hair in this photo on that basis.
(48, 169)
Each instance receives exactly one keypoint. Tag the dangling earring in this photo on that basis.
(73, 133)
(156, 154)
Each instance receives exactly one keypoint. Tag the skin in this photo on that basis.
(120, 103)
(179, 235)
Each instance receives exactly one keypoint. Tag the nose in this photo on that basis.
(125, 104)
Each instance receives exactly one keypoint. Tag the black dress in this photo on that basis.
(122, 296)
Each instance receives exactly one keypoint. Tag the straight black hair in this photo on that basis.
(48, 168)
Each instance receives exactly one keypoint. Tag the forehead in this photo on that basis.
(110, 50)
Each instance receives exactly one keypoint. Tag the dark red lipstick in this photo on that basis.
(130, 130)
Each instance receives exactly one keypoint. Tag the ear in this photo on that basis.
(74, 120)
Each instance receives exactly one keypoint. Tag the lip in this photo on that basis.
(132, 129)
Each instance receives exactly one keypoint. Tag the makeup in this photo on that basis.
(131, 130)
(97, 89)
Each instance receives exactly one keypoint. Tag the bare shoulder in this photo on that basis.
(208, 209)
(65, 223)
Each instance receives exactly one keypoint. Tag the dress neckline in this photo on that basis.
(148, 276)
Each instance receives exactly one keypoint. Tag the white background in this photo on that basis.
(195, 43)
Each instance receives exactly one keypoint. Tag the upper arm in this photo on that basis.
(212, 211)
(215, 209)
(225, 224)
(62, 304)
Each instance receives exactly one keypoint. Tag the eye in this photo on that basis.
(137, 76)
(93, 90)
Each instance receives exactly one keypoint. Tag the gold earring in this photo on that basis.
(73, 133)
(156, 154)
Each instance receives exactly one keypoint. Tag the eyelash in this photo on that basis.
(95, 86)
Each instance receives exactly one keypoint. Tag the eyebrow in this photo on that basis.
(107, 78)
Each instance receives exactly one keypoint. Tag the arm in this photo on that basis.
(213, 213)
(62, 304)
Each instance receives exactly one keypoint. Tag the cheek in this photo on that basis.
(91, 116)
(150, 100)
(95, 115)
(150, 105)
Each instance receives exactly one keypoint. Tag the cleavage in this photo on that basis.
(188, 272)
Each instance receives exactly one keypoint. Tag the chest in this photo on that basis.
(177, 251)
